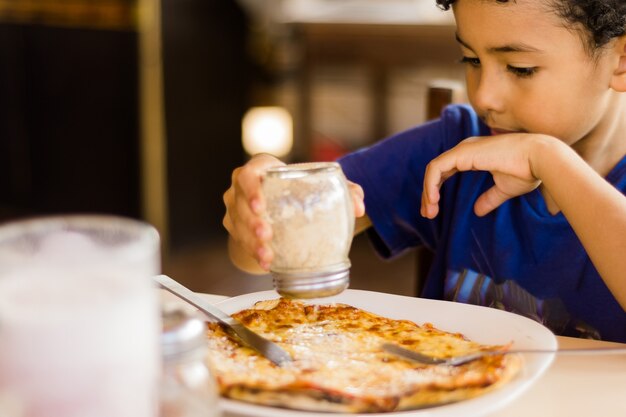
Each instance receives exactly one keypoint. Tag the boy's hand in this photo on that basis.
(507, 157)
(245, 206)
(357, 199)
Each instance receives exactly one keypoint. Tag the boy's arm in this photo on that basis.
(519, 163)
(595, 209)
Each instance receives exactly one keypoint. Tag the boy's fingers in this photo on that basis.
(427, 209)
(253, 231)
(245, 206)
(247, 180)
(437, 172)
(357, 194)
(265, 256)
(251, 243)
(430, 191)
(238, 211)
(489, 201)
(245, 225)
(228, 198)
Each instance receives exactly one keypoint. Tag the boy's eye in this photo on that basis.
(522, 71)
(474, 62)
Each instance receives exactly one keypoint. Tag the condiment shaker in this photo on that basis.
(311, 213)
(188, 388)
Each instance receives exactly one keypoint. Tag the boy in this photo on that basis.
(521, 196)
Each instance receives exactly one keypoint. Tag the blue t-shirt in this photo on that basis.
(519, 257)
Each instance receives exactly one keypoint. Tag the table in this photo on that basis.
(576, 385)
(573, 385)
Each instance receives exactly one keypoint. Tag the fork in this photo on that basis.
(462, 359)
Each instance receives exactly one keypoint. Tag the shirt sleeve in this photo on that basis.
(391, 173)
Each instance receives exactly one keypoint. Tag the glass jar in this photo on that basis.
(311, 213)
(188, 388)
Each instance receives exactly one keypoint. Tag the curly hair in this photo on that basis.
(602, 20)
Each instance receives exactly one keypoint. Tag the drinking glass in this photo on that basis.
(79, 317)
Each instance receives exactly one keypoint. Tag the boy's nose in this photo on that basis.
(489, 95)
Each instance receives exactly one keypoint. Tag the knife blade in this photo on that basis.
(247, 337)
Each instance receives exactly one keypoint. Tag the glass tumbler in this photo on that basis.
(79, 317)
(311, 213)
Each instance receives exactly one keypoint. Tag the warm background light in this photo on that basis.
(267, 130)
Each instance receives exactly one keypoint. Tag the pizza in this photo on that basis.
(338, 363)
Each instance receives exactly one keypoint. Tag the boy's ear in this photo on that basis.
(618, 81)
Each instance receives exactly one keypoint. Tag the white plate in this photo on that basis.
(481, 324)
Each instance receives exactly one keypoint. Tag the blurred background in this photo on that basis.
(142, 108)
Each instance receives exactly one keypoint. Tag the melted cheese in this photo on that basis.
(337, 358)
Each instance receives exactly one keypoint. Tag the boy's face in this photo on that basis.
(527, 72)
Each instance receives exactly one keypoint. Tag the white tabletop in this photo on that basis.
(573, 386)
(576, 386)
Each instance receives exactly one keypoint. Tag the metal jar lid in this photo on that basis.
(312, 284)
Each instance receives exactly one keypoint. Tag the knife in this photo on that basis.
(247, 337)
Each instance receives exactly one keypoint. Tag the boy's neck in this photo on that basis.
(605, 145)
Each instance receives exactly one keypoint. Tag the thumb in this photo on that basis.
(489, 201)
(357, 194)
(359, 207)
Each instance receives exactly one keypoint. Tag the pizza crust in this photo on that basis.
(310, 400)
(428, 398)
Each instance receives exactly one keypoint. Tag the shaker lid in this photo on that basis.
(181, 333)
